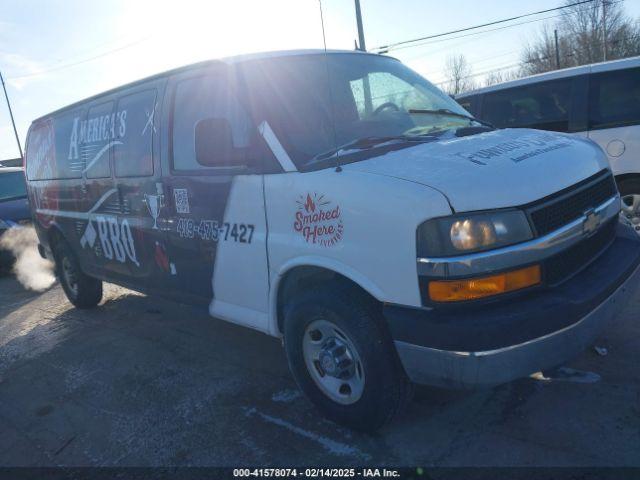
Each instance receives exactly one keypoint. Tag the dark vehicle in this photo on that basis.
(14, 206)
(11, 162)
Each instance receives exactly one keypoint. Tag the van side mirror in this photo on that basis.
(214, 143)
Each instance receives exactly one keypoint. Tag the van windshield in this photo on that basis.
(316, 104)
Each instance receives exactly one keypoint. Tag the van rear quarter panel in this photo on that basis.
(52, 185)
(70, 172)
(364, 228)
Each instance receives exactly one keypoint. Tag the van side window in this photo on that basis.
(544, 106)
(67, 161)
(467, 104)
(614, 98)
(206, 98)
(95, 141)
(135, 127)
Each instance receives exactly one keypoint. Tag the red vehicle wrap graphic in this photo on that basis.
(42, 164)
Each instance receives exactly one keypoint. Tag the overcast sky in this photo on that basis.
(55, 52)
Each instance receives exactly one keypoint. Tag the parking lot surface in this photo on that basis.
(143, 382)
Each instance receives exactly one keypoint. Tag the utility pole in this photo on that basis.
(366, 85)
(604, 30)
(555, 33)
(362, 46)
(15, 131)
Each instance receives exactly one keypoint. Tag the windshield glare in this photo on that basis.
(315, 103)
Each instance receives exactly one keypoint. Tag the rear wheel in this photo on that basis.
(342, 357)
(630, 193)
(82, 290)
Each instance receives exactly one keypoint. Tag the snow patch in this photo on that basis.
(285, 396)
(566, 374)
(332, 446)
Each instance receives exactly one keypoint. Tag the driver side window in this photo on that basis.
(201, 98)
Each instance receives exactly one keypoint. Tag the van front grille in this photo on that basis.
(565, 207)
(565, 264)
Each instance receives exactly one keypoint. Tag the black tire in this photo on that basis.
(83, 291)
(386, 387)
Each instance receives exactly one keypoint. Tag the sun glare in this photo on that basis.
(189, 31)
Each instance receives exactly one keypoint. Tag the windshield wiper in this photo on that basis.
(365, 143)
(451, 113)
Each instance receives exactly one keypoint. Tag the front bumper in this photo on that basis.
(486, 345)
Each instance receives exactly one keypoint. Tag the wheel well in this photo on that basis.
(54, 235)
(303, 278)
(627, 176)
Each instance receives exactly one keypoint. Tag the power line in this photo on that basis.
(486, 72)
(474, 62)
(395, 46)
(489, 31)
(524, 62)
(80, 62)
(484, 31)
(404, 42)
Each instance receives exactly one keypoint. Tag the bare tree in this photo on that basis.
(581, 38)
(500, 76)
(459, 75)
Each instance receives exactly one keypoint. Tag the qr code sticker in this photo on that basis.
(182, 200)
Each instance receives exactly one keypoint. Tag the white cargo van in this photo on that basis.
(599, 101)
(340, 201)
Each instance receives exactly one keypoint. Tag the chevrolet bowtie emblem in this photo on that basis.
(591, 223)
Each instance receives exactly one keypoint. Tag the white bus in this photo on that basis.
(599, 101)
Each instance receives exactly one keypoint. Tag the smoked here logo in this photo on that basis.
(318, 220)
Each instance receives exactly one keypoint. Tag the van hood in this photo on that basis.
(497, 169)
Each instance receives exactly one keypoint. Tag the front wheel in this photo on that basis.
(630, 195)
(82, 290)
(343, 358)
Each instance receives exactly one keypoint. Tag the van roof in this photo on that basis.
(232, 60)
(562, 73)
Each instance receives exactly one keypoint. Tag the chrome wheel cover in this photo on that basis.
(333, 362)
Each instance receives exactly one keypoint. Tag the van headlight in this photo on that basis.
(473, 232)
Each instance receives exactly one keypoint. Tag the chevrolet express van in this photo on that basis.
(599, 101)
(341, 202)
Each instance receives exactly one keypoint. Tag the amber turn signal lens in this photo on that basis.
(473, 288)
